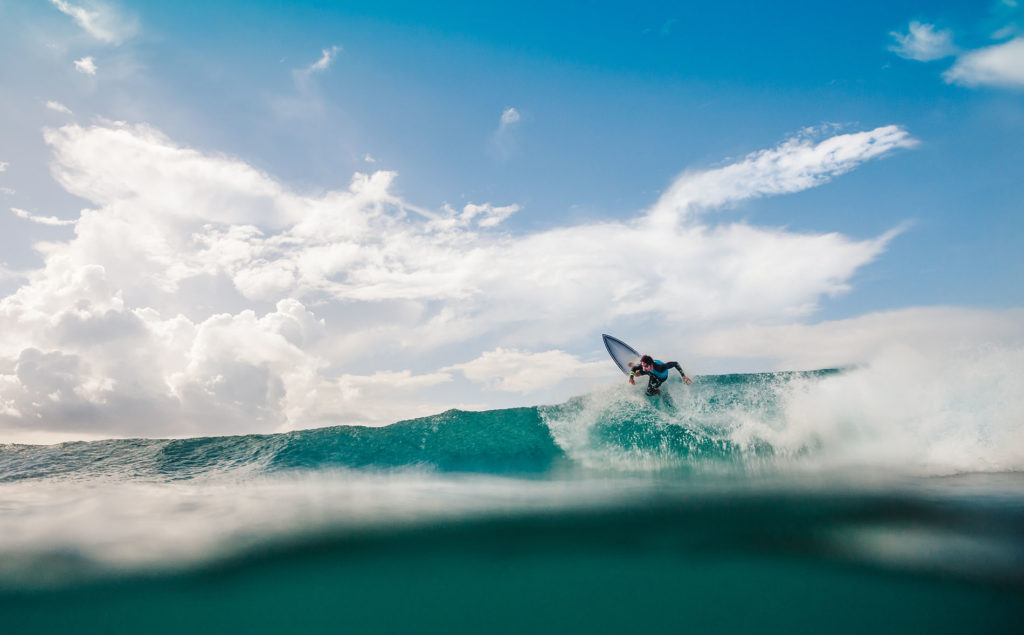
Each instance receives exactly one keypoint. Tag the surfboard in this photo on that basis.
(624, 355)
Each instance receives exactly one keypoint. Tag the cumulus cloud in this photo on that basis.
(86, 65)
(1000, 65)
(200, 295)
(42, 220)
(923, 43)
(100, 20)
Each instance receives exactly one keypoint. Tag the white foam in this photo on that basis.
(910, 410)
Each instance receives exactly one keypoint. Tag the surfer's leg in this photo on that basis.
(652, 386)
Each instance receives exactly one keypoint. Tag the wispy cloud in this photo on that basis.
(56, 106)
(513, 370)
(307, 102)
(798, 164)
(100, 20)
(327, 56)
(485, 215)
(86, 65)
(53, 221)
(5, 190)
(1000, 65)
(509, 116)
(6, 273)
(923, 43)
(504, 140)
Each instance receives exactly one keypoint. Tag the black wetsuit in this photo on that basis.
(658, 374)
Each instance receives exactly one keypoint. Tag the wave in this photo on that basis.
(495, 441)
(626, 430)
(903, 412)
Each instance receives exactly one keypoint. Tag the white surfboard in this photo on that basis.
(624, 355)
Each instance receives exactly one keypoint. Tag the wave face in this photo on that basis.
(496, 441)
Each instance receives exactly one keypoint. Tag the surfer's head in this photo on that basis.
(646, 361)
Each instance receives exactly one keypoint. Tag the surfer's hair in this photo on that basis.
(647, 359)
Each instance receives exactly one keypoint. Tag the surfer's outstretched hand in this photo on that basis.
(687, 380)
(631, 380)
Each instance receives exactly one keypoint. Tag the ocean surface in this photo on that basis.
(823, 502)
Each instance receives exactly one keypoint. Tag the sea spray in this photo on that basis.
(910, 412)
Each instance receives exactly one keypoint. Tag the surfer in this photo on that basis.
(658, 372)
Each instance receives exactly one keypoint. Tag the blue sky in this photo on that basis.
(526, 144)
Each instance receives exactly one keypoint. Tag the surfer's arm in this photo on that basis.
(676, 365)
(634, 371)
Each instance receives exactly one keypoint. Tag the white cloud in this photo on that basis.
(1000, 65)
(86, 65)
(923, 43)
(1008, 31)
(307, 102)
(56, 106)
(5, 190)
(326, 59)
(486, 215)
(201, 296)
(513, 370)
(509, 116)
(100, 20)
(42, 220)
(796, 165)
(6, 273)
(504, 141)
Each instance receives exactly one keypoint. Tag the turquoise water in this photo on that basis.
(759, 503)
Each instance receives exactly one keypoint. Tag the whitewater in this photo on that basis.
(885, 497)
